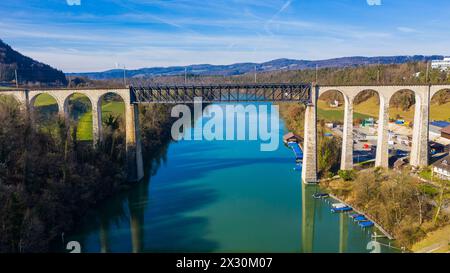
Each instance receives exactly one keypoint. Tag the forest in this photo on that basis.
(49, 179)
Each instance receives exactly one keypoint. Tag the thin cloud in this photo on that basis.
(281, 10)
(406, 29)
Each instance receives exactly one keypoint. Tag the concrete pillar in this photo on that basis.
(419, 149)
(133, 143)
(382, 156)
(309, 170)
(96, 121)
(347, 136)
(63, 108)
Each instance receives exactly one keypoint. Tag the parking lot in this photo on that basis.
(365, 141)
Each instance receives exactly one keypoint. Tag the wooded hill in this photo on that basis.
(29, 71)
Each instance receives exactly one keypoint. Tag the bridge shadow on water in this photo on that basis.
(157, 215)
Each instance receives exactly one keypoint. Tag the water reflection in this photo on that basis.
(137, 201)
(308, 217)
(343, 232)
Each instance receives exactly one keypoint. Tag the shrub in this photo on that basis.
(347, 175)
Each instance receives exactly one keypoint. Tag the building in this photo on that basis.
(401, 163)
(445, 132)
(441, 168)
(435, 129)
(291, 137)
(443, 65)
(334, 104)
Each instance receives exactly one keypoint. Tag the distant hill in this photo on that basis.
(243, 68)
(29, 71)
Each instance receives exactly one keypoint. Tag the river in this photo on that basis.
(221, 196)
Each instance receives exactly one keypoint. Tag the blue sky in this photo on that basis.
(99, 35)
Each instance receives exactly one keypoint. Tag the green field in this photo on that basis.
(44, 100)
(84, 126)
(327, 113)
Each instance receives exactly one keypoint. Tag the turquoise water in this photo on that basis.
(221, 196)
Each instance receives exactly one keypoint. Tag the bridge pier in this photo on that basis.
(96, 122)
(382, 156)
(347, 136)
(419, 150)
(135, 166)
(309, 169)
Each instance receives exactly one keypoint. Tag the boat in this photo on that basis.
(297, 151)
(319, 195)
(341, 209)
(338, 205)
(298, 167)
(360, 218)
(354, 215)
(366, 224)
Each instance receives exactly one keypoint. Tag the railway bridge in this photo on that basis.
(307, 94)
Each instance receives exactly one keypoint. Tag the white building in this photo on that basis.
(443, 65)
(441, 168)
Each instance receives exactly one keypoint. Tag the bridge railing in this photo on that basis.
(222, 93)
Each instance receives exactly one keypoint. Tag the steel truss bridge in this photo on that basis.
(222, 93)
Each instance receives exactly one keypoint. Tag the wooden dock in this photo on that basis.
(379, 227)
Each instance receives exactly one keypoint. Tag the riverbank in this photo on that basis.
(396, 201)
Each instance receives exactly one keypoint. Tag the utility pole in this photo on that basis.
(378, 73)
(255, 74)
(427, 75)
(17, 83)
(185, 75)
(124, 77)
(317, 73)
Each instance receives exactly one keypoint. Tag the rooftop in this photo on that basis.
(446, 130)
(440, 123)
(443, 163)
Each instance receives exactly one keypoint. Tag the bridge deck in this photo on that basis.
(222, 93)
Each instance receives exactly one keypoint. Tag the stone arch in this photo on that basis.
(412, 94)
(440, 98)
(47, 106)
(323, 91)
(365, 120)
(404, 137)
(11, 95)
(332, 114)
(83, 117)
(100, 110)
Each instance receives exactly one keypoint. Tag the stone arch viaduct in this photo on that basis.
(133, 145)
(419, 151)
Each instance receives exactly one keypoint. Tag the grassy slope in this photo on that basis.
(435, 241)
(324, 111)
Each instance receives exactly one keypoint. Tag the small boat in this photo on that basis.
(354, 215)
(319, 195)
(342, 209)
(338, 205)
(366, 224)
(360, 218)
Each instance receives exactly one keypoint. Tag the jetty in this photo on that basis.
(379, 227)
